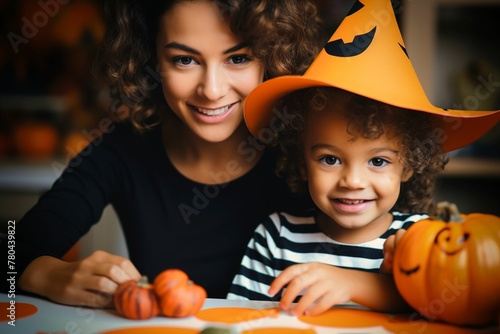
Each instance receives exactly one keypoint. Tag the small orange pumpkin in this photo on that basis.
(448, 267)
(167, 279)
(35, 140)
(74, 143)
(179, 296)
(136, 299)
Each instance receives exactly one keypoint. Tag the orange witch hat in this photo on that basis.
(366, 55)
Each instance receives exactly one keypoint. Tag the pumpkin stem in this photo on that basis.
(143, 281)
(448, 212)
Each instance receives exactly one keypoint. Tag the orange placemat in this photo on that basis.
(408, 323)
(152, 330)
(22, 310)
(279, 330)
(232, 315)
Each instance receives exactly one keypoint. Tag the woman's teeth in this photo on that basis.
(213, 112)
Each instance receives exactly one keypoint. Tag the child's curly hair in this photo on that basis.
(285, 35)
(418, 133)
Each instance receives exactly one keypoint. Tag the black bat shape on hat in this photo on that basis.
(359, 44)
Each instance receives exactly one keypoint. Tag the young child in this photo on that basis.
(361, 136)
(365, 168)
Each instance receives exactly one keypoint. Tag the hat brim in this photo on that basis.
(460, 127)
(260, 102)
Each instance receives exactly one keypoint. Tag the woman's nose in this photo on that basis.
(214, 83)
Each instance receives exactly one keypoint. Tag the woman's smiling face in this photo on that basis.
(207, 71)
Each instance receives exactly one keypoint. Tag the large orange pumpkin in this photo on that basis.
(179, 296)
(136, 299)
(448, 267)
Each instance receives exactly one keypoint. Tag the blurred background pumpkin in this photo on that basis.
(49, 47)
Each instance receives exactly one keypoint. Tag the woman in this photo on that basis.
(187, 180)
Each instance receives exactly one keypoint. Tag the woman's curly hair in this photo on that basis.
(285, 35)
(418, 133)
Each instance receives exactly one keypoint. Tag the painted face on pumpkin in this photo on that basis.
(446, 267)
(448, 242)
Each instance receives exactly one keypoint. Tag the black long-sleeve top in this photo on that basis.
(168, 220)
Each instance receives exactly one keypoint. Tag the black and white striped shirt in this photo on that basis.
(283, 240)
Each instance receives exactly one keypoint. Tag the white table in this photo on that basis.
(52, 318)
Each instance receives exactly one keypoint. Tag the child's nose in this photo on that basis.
(352, 178)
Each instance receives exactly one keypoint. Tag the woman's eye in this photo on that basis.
(378, 162)
(329, 160)
(239, 59)
(183, 61)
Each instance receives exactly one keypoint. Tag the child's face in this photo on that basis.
(207, 72)
(355, 183)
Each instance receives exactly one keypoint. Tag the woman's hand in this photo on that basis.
(91, 281)
(390, 245)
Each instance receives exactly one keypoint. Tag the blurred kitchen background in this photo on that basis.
(51, 105)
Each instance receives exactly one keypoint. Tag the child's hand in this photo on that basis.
(389, 248)
(323, 286)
